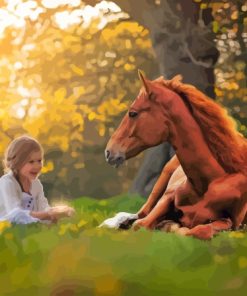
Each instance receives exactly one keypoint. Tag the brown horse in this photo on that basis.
(204, 186)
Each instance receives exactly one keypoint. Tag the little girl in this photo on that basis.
(22, 198)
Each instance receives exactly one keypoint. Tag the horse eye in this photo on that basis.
(133, 114)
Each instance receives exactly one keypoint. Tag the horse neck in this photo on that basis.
(193, 152)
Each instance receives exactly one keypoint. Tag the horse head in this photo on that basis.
(145, 125)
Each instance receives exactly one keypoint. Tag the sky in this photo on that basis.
(17, 11)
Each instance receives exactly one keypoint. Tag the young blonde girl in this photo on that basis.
(22, 197)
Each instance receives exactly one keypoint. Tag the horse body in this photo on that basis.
(210, 185)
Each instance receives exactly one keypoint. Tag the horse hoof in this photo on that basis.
(182, 231)
(204, 232)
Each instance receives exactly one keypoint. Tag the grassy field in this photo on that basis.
(75, 257)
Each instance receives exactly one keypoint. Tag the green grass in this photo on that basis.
(75, 257)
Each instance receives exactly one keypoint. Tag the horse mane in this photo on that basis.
(228, 146)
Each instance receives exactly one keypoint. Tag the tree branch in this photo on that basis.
(194, 60)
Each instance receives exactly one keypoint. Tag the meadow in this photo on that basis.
(74, 257)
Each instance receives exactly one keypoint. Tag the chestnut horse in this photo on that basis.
(203, 189)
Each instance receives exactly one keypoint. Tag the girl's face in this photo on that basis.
(32, 167)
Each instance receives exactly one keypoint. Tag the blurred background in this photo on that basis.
(68, 72)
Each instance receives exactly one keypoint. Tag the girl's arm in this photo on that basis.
(42, 202)
(45, 215)
(43, 209)
(9, 196)
(42, 215)
(10, 203)
(53, 214)
(45, 212)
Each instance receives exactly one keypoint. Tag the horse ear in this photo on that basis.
(144, 81)
(177, 78)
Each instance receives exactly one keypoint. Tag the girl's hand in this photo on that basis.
(52, 217)
(59, 212)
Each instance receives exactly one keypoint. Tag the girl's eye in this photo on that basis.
(40, 160)
(31, 161)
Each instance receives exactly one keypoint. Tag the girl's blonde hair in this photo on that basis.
(18, 152)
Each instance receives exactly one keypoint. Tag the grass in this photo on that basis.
(75, 257)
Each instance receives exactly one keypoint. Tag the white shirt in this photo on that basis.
(13, 201)
(27, 201)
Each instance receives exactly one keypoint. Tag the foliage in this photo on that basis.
(230, 24)
(68, 86)
(74, 258)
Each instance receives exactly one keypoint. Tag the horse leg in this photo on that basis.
(207, 231)
(159, 187)
(160, 209)
(165, 203)
(225, 196)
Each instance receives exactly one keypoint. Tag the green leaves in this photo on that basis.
(68, 86)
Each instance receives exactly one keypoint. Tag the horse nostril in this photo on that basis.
(120, 158)
(107, 154)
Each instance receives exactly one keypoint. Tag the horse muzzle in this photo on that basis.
(115, 159)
